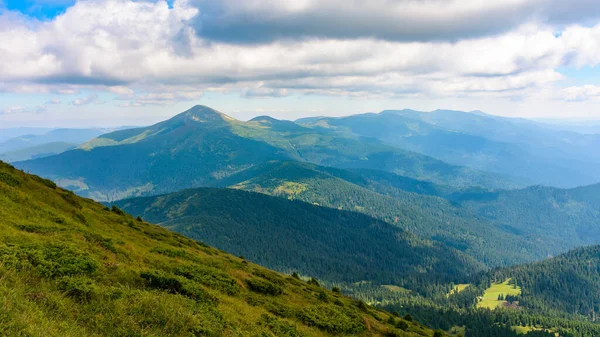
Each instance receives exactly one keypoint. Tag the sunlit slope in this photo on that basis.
(71, 267)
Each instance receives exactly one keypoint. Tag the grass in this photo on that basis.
(522, 330)
(458, 288)
(490, 296)
(72, 267)
(396, 289)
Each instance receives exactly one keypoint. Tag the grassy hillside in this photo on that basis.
(72, 267)
(201, 146)
(288, 235)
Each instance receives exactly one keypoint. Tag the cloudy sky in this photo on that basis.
(121, 62)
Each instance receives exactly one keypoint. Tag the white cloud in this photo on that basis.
(12, 109)
(581, 93)
(259, 21)
(148, 54)
(89, 99)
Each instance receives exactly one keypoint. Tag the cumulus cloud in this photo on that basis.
(260, 21)
(581, 93)
(89, 99)
(146, 53)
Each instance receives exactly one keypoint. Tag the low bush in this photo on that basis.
(210, 277)
(279, 327)
(264, 287)
(9, 179)
(177, 285)
(332, 319)
(80, 288)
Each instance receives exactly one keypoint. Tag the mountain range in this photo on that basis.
(201, 146)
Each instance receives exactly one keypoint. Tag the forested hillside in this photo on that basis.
(72, 267)
(496, 227)
(567, 283)
(331, 244)
(412, 205)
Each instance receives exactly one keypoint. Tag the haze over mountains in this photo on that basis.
(29, 143)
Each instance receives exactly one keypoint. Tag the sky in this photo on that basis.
(79, 63)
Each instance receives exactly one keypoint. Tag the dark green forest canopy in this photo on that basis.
(332, 244)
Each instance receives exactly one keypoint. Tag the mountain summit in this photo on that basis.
(202, 114)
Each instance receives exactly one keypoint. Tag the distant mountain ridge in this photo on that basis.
(512, 146)
(202, 146)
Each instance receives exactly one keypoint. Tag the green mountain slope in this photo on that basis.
(496, 227)
(201, 146)
(290, 235)
(413, 205)
(71, 267)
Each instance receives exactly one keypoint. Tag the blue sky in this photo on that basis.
(122, 62)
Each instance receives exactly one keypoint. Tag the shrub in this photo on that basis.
(332, 319)
(313, 281)
(46, 182)
(39, 229)
(393, 333)
(402, 325)
(438, 333)
(264, 287)
(169, 252)
(80, 288)
(322, 296)
(103, 242)
(362, 305)
(210, 277)
(71, 199)
(9, 179)
(49, 261)
(117, 210)
(408, 317)
(176, 285)
(336, 290)
(295, 275)
(279, 327)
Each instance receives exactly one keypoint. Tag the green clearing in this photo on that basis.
(490, 296)
(458, 288)
(522, 330)
(395, 288)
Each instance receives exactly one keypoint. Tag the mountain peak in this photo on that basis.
(202, 114)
